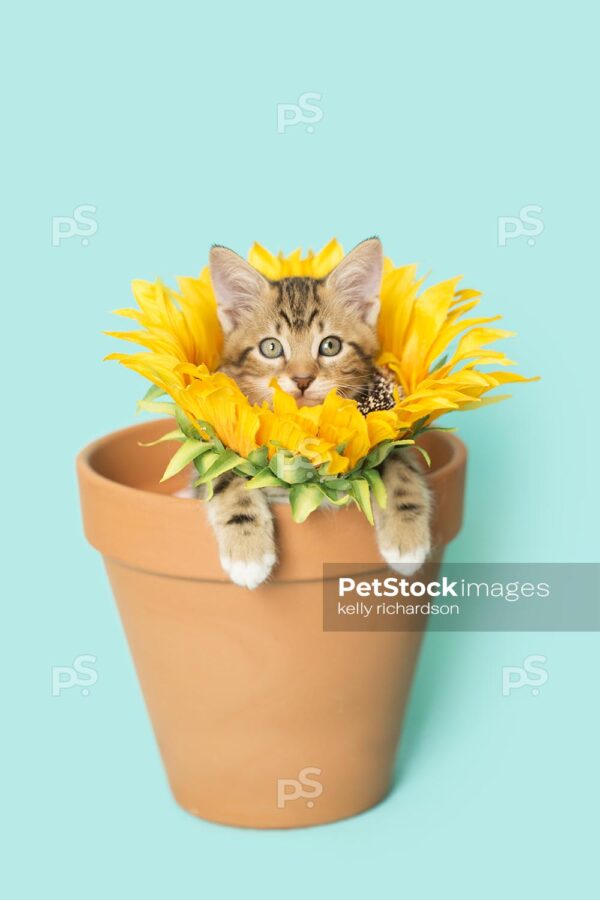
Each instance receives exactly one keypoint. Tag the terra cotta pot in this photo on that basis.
(263, 719)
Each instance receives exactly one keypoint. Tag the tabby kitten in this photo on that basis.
(312, 335)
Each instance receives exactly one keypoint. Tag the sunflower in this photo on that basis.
(429, 344)
(416, 333)
(176, 328)
(313, 265)
(214, 403)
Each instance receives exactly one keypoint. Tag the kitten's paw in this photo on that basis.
(405, 563)
(187, 493)
(249, 573)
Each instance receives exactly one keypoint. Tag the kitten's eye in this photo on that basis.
(330, 346)
(271, 348)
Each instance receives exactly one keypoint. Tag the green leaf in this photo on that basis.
(292, 469)
(438, 427)
(185, 424)
(323, 471)
(226, 460)
(336, 484)
(378, 454)
(264, 478)
(207, 427)
(304, 499)
(259, 457)
(245, 469)
(425, 454)
(203, 463)
(338, 498)
(359, 490)
(188, 451)
(176, 435)
(439, 363)
(377, 486)
(381, 452)
(156, 407)
(419, 424)
(154, 392)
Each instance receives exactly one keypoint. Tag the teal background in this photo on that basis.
(437, 119)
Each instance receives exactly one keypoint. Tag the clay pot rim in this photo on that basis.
(85, 468)
(128, 516)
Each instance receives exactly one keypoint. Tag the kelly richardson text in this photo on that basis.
(463, 597)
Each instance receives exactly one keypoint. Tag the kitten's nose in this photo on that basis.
(303, 381)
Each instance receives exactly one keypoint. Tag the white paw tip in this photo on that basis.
(405, 563)
(251, 573)
(187, 493)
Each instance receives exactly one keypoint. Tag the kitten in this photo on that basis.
(312, 335)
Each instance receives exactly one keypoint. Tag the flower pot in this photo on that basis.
(263, 719)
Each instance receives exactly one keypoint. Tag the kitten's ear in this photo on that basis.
(357, 279)
(237, 286)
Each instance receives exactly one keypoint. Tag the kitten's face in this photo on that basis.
(311, 335)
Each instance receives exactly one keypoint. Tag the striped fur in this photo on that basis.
(299, 314)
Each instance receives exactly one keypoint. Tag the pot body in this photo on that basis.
(263, 719)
